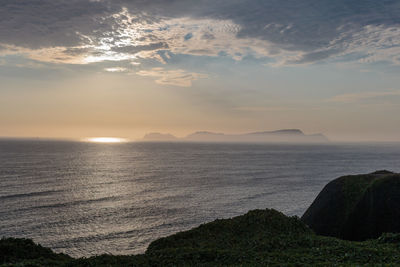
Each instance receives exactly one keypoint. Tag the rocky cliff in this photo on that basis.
(357, 207)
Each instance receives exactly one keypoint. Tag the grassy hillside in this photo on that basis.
(260, 237)
(357, 207)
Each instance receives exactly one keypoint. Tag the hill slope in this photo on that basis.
(260, 237)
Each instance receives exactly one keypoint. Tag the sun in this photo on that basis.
(106, 140)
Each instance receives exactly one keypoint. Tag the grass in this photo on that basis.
(260, 237)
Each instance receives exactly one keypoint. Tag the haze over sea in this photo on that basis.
(88, 198)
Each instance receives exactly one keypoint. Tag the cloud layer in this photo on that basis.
(172, 77)
(283, 32)
(352, 98)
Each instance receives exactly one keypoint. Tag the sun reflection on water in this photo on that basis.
(106, 140)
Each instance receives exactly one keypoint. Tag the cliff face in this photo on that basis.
(357, 207)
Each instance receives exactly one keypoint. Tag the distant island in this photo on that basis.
(285, 135)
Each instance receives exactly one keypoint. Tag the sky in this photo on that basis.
(87, 68)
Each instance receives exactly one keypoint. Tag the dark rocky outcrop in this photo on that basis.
(357, 207)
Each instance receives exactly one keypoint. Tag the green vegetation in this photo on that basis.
(23, 252)
(355, 186)
(260, 237)
(357, 207)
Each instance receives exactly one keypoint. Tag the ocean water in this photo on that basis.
(88, 198)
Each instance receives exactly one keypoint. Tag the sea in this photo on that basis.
(87, 199)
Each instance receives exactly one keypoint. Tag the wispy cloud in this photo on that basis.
(274, 108)
(116, 69)
(264, 108)
(178, 77)
(351, 98)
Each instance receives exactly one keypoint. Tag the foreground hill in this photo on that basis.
(260, 237)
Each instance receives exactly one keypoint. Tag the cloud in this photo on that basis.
(116, 69)
(288, 32)
(274, 108)
(352, 98)
(376, 44)
(178, 77)
(297, 32)
(264, 108)
(47, 23)
(314, 56)
(188, 36)
(132, 49)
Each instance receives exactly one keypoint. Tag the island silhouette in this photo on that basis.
(284, 135)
